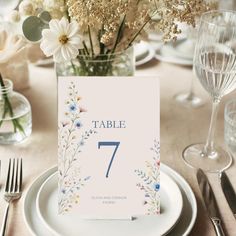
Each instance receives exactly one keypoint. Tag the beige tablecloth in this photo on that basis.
(179, 127)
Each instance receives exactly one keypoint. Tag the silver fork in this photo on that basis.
(13, 187)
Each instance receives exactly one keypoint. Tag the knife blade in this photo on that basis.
(228, 192)
(210, 202)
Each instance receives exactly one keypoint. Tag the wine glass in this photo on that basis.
(215, 67)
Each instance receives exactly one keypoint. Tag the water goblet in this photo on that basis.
(215, 67)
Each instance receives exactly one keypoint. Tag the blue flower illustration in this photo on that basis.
(72, 107)
(63, 191)
(78, 124)
(156, 187)
(81, 143)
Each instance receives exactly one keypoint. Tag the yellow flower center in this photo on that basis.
(63, 39)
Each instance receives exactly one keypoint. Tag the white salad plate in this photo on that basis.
(143, 52)
(37, 226)
(66, 225)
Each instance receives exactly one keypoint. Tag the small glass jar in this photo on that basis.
(15, 115)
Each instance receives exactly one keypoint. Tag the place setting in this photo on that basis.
(93, 142)
(40, 209)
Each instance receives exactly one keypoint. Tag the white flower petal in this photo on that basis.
(57, 56)
(49, 35)
(64, 24)
(73, 50)
(55, 26)
(49, 48)
(76, 41)
(65, 53)
(72, 29)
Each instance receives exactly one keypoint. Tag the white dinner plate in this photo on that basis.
(162, 55)
(143, 52)
(65, 225)
(149, 57)
(182, 228)
(181, 49)
(140, 50)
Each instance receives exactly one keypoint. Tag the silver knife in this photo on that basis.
(210, 202)
(228, 192)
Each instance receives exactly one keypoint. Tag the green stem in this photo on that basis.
(73, 66)
(119, 34)
(137, 34)
(8, 108)
(85, 48)
(90, 40)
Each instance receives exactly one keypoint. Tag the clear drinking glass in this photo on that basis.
(15, 115)
(230, 124)
(215, 67)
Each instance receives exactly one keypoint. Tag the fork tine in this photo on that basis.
(16, 176)
(8, 176)
(21, 175)
(12, 176)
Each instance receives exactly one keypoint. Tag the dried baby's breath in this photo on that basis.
(118, 23)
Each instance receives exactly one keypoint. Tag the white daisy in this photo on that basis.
(61, 40)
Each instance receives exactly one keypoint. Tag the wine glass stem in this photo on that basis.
(209, 149)
(191, 91)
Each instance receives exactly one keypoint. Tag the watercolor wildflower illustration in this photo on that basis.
(150, 184)
(72, 139)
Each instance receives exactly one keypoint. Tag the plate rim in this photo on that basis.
(175, 51)
(30, 187)
(173, 173)
(163, 174)
(190, 191)
(172, 59)
(145, 44)
(149, 57)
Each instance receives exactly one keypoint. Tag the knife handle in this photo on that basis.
(218, 227)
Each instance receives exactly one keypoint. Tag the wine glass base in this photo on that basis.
(189, 100)
(217, 162)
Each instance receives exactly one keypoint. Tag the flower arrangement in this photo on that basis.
(89, 30)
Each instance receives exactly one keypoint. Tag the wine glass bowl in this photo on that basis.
(215, 67)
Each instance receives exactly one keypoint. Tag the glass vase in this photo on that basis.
(116, 64)
(15, 115)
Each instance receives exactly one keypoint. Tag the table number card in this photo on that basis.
(109, 153)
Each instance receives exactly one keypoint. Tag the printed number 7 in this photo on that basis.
(116, 144)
